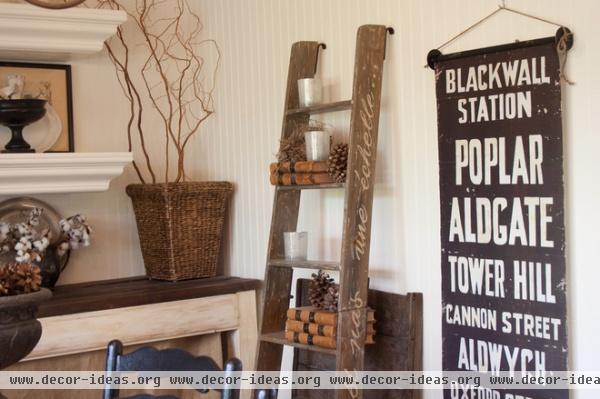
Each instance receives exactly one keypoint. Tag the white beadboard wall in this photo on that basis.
(238, 143)
(255, 38)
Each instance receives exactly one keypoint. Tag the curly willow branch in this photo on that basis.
(166, 80)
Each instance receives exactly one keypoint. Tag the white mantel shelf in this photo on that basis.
(60, 172)
(28, 32)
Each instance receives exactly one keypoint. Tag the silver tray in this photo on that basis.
(16, 210)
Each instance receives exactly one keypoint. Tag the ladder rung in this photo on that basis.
(313, 186)
(279, 338)
(321, 108)
(306, 264)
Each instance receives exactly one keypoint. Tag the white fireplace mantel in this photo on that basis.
(28, 32)
(60, 172)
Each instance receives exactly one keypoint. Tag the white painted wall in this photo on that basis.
(238, 143)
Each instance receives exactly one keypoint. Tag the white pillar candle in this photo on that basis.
(318, 145)
(310, 92)
(295, 245)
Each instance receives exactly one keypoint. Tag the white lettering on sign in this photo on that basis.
(487, 162)
(497, 76)
(478, 220)
(471, 316)
(530, 325)
(480, 355)
(533, 281)
(476, 276)
(495, 107)
(500, 106)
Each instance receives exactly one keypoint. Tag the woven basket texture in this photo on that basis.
(180, 226)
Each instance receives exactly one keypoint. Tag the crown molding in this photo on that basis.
(60, 172)
(28, 32)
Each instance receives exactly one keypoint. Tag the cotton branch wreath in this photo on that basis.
(28, 243)
(171, 79)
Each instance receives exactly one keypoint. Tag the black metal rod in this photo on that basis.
(488, 50)
(435, 55)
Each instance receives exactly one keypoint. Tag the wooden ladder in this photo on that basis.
(354, 264)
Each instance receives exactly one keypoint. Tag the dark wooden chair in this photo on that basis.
(151, 359)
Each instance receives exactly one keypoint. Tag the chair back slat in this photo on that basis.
(152, 359)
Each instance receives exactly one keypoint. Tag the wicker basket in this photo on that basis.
(180, 227)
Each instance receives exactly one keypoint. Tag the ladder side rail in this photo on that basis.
(286, 205)
(358, 202)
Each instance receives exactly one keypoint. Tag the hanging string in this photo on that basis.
(470, 28)
(503, 7)
(561, 47)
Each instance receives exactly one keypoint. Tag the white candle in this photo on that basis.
(296, 245)
(318, 145)
(310, 92)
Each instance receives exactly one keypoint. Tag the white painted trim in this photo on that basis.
(34, 33)
(90, 331)
(60, 172)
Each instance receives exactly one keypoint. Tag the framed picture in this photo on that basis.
(51, 82)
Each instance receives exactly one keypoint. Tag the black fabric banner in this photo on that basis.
(502, 214)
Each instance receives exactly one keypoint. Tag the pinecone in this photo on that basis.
(338, 162)
(319, 287)
(292, 148)
(25, 278)
(330, 300)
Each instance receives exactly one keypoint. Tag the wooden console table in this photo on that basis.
(85, 317)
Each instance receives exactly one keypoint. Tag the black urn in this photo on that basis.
(16, 114)
(20, 331)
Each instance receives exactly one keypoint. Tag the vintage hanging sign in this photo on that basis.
(502, 214)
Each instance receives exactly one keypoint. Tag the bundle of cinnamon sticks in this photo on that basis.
(300, 173)
(312, 326)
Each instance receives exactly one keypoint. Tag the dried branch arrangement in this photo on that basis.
(163, 76)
